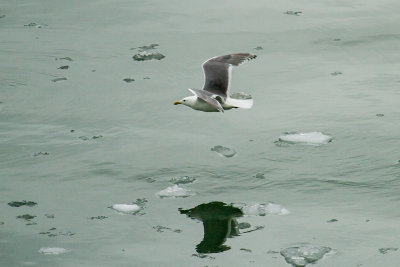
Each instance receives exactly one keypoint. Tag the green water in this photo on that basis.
(78, 146)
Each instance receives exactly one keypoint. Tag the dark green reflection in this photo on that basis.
(219, 223)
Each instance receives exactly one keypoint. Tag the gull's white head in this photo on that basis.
(187, 101)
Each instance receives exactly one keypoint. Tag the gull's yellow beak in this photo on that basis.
(177, 102)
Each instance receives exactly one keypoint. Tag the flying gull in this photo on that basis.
(214, 96)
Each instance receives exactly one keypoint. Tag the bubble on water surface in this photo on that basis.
(174, 192)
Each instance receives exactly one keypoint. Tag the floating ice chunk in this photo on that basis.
(22, 203)
(262, 209)
(126, 208)
(302, 255)
(144, 55)
(174, 192)
(53, 251)
(314, 138)
(182, 180)
(224, 151)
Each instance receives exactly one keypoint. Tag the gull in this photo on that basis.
(217, 75)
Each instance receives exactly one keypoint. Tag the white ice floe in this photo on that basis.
(174, 192)
(300, 256)
(126, 208)
(314, 138)
(53, 251)
(262, 209)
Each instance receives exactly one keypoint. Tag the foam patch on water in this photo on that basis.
(126, 208)
(53, 251)
(262, 209)
(300, 256)
(313, 138)
(174, 192)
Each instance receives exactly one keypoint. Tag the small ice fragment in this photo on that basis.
(64, 58)
(224, 151)
(41, 154)
(22, 203)
(386, 250)
(241, 95)
(182, 180)
(380, 115)
(146, 47)
(128, 80)
(65, 67)
(59, 79)
(126, 208)
(336, 73)
(258, 48)
(98, 217)
(32, 24)
(53, 251)
(26, 217)
(144, 55)
(314, 138)
(260, 175)
(174, 192)
(262, 209)
(295, 13)
(303, 255)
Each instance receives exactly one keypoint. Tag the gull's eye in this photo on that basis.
(184, 100)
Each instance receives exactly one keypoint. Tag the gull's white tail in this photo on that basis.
(239, 103)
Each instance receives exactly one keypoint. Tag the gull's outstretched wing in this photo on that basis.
(217, 72)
